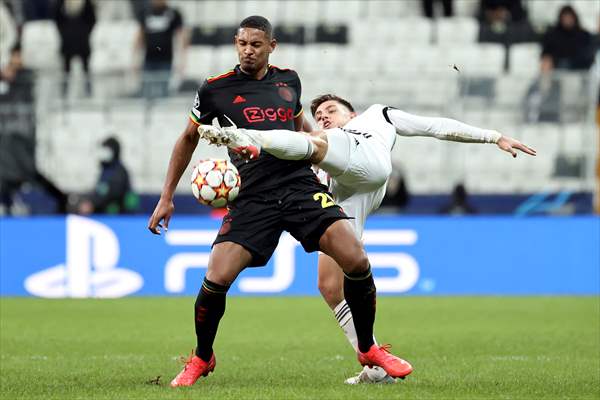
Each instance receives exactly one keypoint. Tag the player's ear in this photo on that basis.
(352, 114)
(272, 45)
(234, 40)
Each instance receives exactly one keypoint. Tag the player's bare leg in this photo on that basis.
(283, 144)
(331, 286)
(340, 243)
(226, 261)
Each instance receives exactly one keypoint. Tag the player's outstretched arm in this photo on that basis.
(180, 158)
(508, 144)
(449, 129)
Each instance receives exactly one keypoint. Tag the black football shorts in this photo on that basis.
(303, 208)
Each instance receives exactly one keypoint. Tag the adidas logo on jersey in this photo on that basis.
(239, 99)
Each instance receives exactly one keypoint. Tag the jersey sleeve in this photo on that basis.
(440, 128)
(202, 111)
(298, 107)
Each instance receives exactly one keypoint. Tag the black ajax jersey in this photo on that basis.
(268, 103)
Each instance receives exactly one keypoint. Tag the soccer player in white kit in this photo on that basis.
(355, 151)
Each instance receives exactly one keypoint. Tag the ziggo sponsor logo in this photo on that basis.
(258, 114)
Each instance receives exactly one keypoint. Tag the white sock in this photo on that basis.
(283, 144)
(344, 318)
(337, 158)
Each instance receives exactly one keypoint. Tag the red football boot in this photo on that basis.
(194, 368)
(380, 356)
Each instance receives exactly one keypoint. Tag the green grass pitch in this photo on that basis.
(291, 348)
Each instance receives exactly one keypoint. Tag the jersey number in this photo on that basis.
(326, 200)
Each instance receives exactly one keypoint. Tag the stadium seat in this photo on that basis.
(331, 33)
(385, 9)
(342, 10)
(524, 59)
(474, 60)
(290, 34)
(225, 59)
(218, 12)
(300, 11)
(286, 56)
(510, 90)
(199, 62)
(466, 8)
(269, 9)
(212, 35)
(576, 139)
(113, 10)
(113, 45)
(325, 59)
(383, 32)
(456, 31)
(40, 45)
(589, 14)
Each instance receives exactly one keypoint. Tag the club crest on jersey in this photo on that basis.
(286, 94)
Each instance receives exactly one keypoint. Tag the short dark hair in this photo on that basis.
(258, 22)
(326, 97)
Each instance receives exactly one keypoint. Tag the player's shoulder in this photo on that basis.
(376, 108)
(376, 111)
(219, 78)
(284, 72)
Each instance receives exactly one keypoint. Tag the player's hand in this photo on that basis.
(163, 211)
(510, 145)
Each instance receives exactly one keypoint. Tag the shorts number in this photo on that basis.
(326, 200)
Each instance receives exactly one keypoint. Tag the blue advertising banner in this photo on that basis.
(117, 256)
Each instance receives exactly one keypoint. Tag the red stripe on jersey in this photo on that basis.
(225, 75)
(281, 69)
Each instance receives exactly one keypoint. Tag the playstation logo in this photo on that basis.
(90, 270)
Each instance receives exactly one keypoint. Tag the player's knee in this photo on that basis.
(357, 262)
(319, 150)
(331, 290)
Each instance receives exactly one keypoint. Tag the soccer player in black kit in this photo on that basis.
(276, 196)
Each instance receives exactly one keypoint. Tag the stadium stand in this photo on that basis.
(387, 52)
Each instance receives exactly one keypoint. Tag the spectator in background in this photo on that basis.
(460, 204)
(8, 34)
(500, 13)
(113, 193)
(542, 101)
(161, 27)
(504, 21)
(75, 20)
(429, 7)
(567, 45)
(396, 193)
(17, 136)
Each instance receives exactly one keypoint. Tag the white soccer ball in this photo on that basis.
(215, 183)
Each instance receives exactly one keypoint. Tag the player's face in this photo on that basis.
(331, 114)
(253, 47)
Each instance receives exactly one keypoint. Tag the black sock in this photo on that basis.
(208, 310)
(359, 292)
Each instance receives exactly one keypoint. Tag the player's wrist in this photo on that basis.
(493, 136)
(166, 197)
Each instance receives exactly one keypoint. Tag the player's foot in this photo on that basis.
(211, 134)
(371, 375)
(380, 356)
(194, 368)
(242, 142)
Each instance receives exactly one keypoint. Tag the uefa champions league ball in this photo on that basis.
(215, 183)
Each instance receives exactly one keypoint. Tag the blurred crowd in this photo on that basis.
(163, 34)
